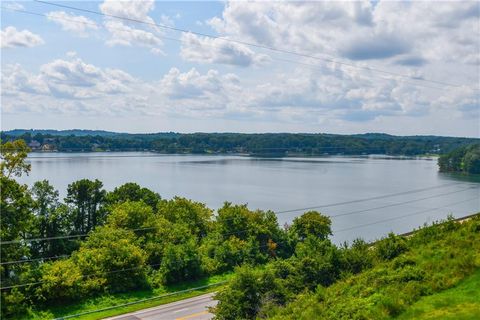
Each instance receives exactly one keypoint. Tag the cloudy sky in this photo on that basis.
(395, 67)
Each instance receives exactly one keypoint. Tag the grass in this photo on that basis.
(106, 301)
(460, 303)
(437, 278)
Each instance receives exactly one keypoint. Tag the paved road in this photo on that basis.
(188, 309)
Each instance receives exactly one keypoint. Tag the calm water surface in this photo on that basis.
(283, 184)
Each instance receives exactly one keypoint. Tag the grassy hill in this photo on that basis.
(438, 277)
(461, 302)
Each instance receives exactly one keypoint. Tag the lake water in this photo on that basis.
(331, 184)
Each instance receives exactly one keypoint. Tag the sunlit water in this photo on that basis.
(283, 184)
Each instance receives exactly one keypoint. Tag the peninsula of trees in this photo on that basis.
(464, 159)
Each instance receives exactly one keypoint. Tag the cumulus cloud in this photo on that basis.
(193, 85)
(11, 38)
(211, 50)
(360, 30)
(129, 34)
(69, 22)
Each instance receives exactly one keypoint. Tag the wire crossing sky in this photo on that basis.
(337, 67)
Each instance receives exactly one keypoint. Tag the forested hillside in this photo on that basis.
(276, 144)
(464, 159)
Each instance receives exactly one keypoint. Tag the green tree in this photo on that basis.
(390, 247)
(110, 259)
(195, 215)
(13, 161)
(86, 198)
(16, 208)
(132, 192)
(311, 223)
(357, 257)
(242, 298)
(181, 262)
(52, 220)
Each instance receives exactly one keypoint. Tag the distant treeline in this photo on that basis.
(275, 144)
(464, 159)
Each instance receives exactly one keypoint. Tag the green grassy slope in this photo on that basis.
(438, 259)
(460, 303)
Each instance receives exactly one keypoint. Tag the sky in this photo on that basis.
(403, 68)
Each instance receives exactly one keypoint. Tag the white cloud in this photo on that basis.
(128, 33)
(13, 5)
(72, 87)
(11, 38)
(424, 32)
(193, 85)
(210, 50)
(127, 36)
(76, 24)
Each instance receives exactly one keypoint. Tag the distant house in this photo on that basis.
(48, 147)
(34, 144)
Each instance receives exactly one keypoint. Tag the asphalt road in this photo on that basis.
(188, 309)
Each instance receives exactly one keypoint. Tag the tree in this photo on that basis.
(110, 259)
(194, 214)
(52, 220)
(311, 223)
(181, 262)
(242, 298)
(15, 207)
(86, 198)
(13, 159)
(390, 247)
(132, 192)
(317, 261)
(357, 257)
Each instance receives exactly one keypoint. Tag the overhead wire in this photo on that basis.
(215, 46)
(404, 216)
(246, 43)
(261, 246)
(19, 241)
(100, 273)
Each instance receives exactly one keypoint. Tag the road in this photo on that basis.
(188, 309)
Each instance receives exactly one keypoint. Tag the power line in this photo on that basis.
(33, 260)
(262, 246)
(276, 213)
(404, 216)
(141, 300)
(368, 199)
(399, 203)
(247, 43)
(208, 45)
(129, 269)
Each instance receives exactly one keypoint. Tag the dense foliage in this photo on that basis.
(96, 242)
(379, 281)
(274, 144)
(464, 159)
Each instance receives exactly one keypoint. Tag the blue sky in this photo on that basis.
(72, 69)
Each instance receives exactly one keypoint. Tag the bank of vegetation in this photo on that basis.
(400, 277)
(269, 144)
(465, 159)
(96, 247)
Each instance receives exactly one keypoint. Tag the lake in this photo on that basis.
(365, 196)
